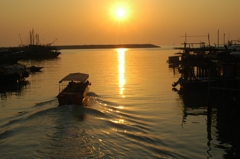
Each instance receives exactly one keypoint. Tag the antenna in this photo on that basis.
(192, 36)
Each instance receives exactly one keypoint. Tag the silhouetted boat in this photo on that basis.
(8, 56)
(236, 53)
(13, 73)
(73, 89)
(40, 51)
(192, 84)
(35, 50)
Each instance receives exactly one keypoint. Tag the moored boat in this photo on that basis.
(10, 56)
(73, 89)
(235, 53)
(36, 50)
(10, 73)
(193, 84)
(40, 52)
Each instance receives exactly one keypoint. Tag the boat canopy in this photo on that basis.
(80, 77)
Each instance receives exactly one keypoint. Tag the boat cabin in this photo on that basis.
(73, 89)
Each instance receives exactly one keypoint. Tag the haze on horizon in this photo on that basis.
(83, 22)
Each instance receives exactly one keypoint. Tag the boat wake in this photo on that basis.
(47, 130)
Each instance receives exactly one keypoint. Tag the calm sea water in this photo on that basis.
(132, 111)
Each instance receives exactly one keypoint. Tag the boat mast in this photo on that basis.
(30, 38)
(33, 36)
(208, 39)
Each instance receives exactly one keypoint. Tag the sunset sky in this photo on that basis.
(160, 22)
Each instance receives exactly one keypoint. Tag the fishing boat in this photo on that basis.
(40, 52)
(36, 50)
(73, 89)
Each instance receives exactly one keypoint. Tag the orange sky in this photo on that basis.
(160, 22)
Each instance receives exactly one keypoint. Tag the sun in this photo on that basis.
(120, 12)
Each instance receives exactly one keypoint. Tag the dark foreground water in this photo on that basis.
(132, 112)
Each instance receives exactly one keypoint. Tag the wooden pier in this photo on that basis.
(210, 68)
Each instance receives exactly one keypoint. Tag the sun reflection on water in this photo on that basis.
(121, 70)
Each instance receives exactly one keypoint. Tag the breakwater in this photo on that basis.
(108, 46)
(100, 46)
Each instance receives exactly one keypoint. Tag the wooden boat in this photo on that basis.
(73, 89)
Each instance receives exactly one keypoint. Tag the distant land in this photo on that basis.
(108, 46)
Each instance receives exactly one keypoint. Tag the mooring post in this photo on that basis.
(209, 115)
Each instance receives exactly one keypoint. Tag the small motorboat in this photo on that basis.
(35, 69)
(73, 89)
